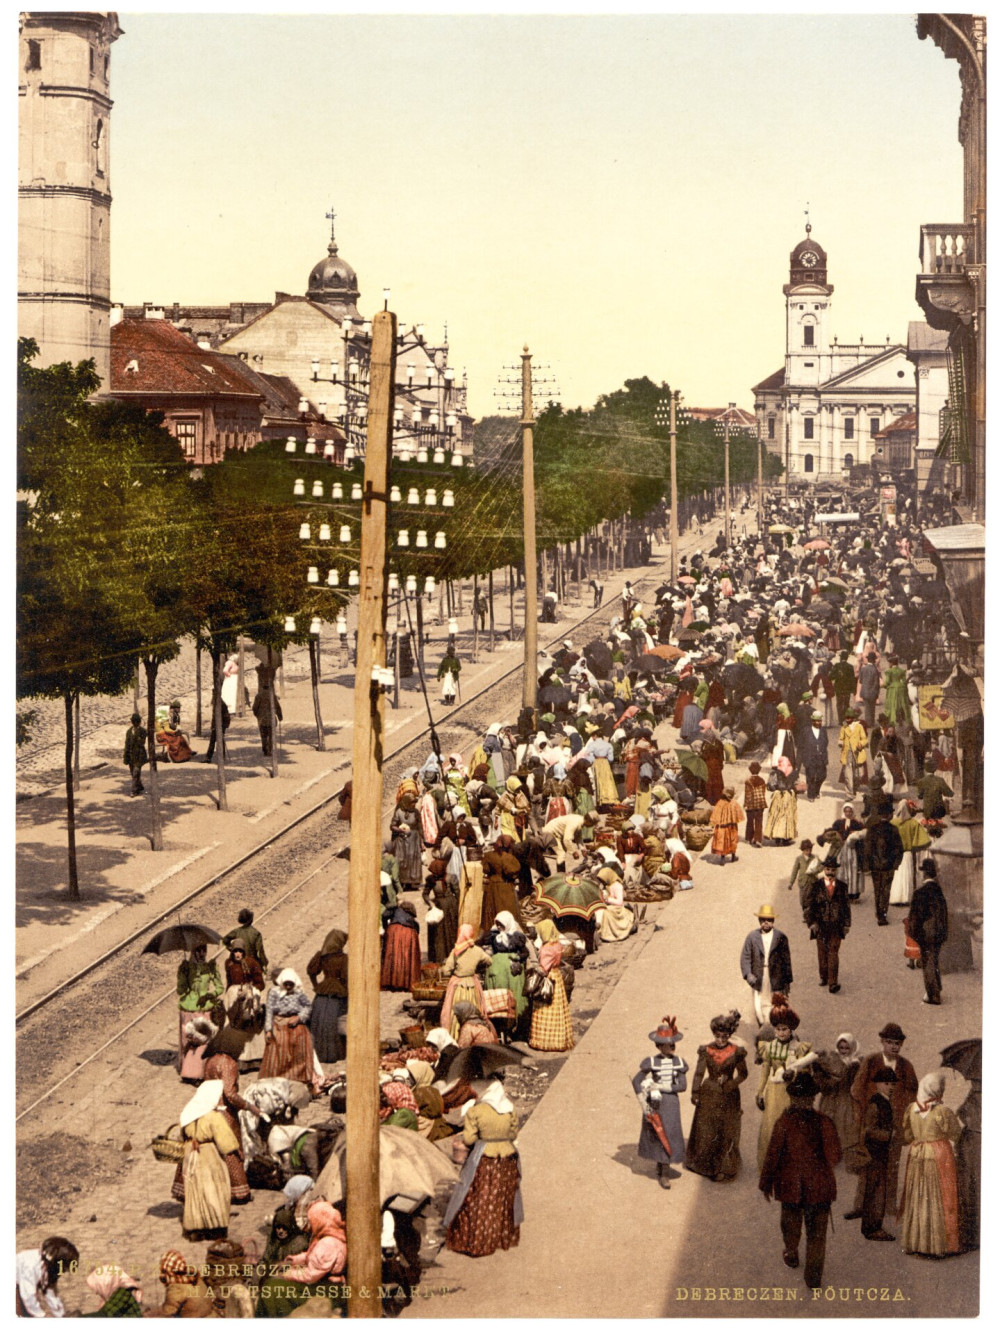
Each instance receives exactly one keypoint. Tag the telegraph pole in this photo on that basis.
(672, 401)
(364, 1214)
(729, 516)
(760, 484)
(530, 695)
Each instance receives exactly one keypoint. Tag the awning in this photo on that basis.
(836, 518)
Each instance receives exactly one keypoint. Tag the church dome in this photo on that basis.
(333, 282)
(810, 247)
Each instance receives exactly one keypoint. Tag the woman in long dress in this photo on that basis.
(617, 918)
(914, 837)
(244, 1000)
(783, 1052)
(461, 969)
(849, 867)
(501, 873)
(551, 1022)
(929, 1212)
(205, 1182)
(288, 1052)
(324, 1261)
(834, 1072)
(485, 1211)
(198, 988)
(401, 954)
(782, 823)
(713, 1148)
(406, 841)
(659, 1080)
(725, 819)
(327, 971)
(509, 948)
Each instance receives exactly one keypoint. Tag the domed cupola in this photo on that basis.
(807, 262)
(333, 283)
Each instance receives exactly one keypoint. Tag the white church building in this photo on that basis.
(821, 413)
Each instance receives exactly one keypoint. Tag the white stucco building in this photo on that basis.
(822, 411)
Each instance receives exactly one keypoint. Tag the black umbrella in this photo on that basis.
(185, 937)
(480, 1062)
(651, 664)
(739, 678)
(555, 695)
(965, 1056)
(821, 608)
(598, 657)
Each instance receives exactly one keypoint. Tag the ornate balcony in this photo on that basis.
(946, 289)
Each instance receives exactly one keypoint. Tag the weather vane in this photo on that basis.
(808, 223)
(331, 215)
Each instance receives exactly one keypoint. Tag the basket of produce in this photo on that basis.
(428, 991)
(697, 836)
(168, 1148)
(413, 1035)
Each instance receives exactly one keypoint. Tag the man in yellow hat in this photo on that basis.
(766, 962)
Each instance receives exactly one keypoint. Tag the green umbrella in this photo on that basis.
(693, 763)
(569, 896)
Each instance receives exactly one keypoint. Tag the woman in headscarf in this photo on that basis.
(397, 1105)
(430, 1105)
(406, 841)
(782, 1052)
(834, 1072)
(427, 809)
(286, 1237)
(187, 1295)
(288, 1052)
(501, 872)
(441, 896)
(725, 819)
(462, 968)
(203, 1182)
(849, 869)
(198, 988)
(323, 1261)
(713, 1148)
(475, 1030)
(551, 1023)
(121, 1296)
(784, 743)
(782, 822)
(602, 753)
(914, 837)
(714, 754)
(617, 918)
(485, 1210)
(327, 971)
(401, 954)
(222, 1063)
(513, 809)
(509, 948)
(929, 1221)
(244, 1000)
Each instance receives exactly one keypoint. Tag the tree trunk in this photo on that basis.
(491, 609)
(135, 686)
(73, 883)
(314, 673)
(512, 607)
(274, 713)
(218, 663)
(475, 618)
(197, 687)
(76, 741)
(241, 707)
(420, 633)
(156, 821)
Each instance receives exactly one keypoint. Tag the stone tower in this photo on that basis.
(64, 189)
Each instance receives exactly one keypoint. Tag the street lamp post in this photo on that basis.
(668, 408)
(729, 517)
(760, 483)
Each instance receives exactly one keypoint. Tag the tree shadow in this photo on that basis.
(168, 1209)
(158, 1056)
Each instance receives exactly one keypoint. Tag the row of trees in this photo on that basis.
(124, 551)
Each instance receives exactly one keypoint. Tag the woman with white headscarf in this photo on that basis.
(929, 1222)
(288, 1050)
(485, 1211)
(834, 1072)
(203, 1183)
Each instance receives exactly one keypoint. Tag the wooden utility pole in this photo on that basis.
(760, 484)
(674, 399)
(364, 1215)
(729, 507)
(218, 664)
(530, 694)
(475, 617)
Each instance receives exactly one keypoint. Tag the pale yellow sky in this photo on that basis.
(620, 192)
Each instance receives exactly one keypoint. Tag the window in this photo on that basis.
(808, 335)
(98, 146)
(34, 55)
(185, 433)
(808, 427)
(874, 426)
(848, 460)
(91, 50)
(770, 428)
(848, 428)
(807, 463)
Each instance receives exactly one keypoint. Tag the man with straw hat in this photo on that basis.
(766, 962)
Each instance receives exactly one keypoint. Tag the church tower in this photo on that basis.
(64, 189)
(807, 314)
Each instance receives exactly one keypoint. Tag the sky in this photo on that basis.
(620, 193)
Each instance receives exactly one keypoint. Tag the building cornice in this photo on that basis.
(80, 298)
(81, 192)
(69, 90)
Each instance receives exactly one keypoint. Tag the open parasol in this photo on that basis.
(569, 896)
(652, 663)
(693, 763)
(834, 581)
(821, 608)
(960, 695)
(817, 544)
(187, 937)
(668, 652)
(687, 579)
(409, 1166)
(598, 657)
(797, 629)
(965, 1056)
(482, 1061)
(780, 528)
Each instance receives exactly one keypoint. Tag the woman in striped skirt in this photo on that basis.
(288, 1052)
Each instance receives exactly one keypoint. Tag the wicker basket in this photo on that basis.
(168, 1148)
(413, 1035)
(424, 992)
(696, 837)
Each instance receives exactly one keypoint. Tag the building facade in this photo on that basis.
(822, 412)
(64, 185)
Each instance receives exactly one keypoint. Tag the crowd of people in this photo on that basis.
(543, 845)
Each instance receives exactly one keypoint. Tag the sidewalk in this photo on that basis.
(125, 885)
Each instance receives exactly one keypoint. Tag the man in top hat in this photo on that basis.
(798, 1171)
(928, 927)
(883, 854)
(813, 753)
(903, 1093)
(828, 917)
(766, 962)
(844, 683)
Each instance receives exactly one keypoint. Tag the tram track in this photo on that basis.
(98, 995)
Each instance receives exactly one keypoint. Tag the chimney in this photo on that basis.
(117, 314)
(152, 312)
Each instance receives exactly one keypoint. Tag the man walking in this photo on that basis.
(928, 927)
(805, 869)
(766, 962)
(904, 1091)
(883, 852)
(828, 917)
(813, 753)
(135, 753)
(876, 1138)
(265, 716)
(798, 1171)
(869, 684)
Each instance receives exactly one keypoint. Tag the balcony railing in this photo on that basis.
(945, 248)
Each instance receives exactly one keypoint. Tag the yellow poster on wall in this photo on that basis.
(932, 714)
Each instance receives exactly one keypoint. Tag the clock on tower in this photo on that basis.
(807, 263)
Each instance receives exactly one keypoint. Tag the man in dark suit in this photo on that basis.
(876, 1138)
(928, 927)
(766, 962)
(883, 853)
(828, 917)
(798, 1171)
(813, 754)
(903, 1093)
(844, 684)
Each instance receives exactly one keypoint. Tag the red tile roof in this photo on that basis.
(152, 357)
(774, 381)
(908, 422)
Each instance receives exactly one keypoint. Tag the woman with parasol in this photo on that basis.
(657, 1084)
(198, 988)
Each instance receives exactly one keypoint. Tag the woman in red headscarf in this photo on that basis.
(462, 968)
(319, 1270)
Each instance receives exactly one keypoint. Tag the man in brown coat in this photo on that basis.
(903, 1093)
(798, 1171)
